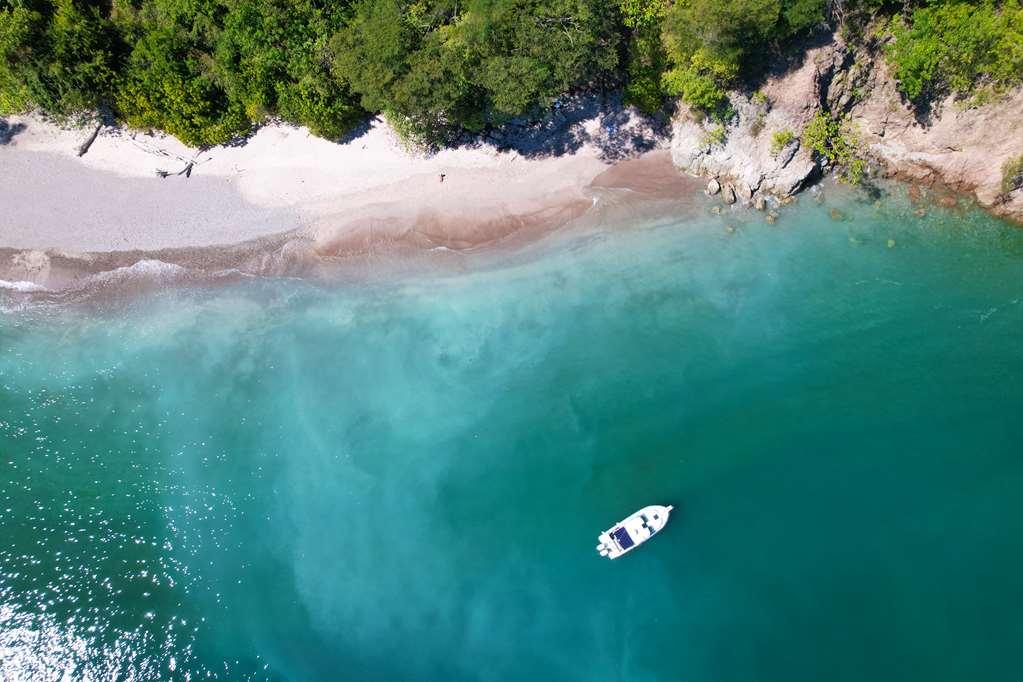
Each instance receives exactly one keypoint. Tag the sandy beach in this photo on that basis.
(110, 207)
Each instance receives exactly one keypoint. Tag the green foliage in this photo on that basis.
(763, 105)
(171, 81)
(646, 59)
(642, 13)
(798, 16)
(781, 139)
(831, 139)
(532, 51)
(208, 70)
(715, 135)
(19, 27)
(701, 82)
(757, 126)
(952, 46)
(57, 55)
(1012, 175)
(447, 64)
(373, 50)
(709, 43)
(273, 59)
(646, 62)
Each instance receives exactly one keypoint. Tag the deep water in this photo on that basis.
(404, 479)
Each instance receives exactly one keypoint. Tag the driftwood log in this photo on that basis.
(186, 171)
(84, 147)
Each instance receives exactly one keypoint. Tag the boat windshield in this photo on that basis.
(623, 538)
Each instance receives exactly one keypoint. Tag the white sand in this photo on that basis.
(281, 179)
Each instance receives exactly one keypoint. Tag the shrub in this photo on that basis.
(700, 82)
(781, 139)
(757, 126)
(1012, 175)
(715, 135)
(831, 139)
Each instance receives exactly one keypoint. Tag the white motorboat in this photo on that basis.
(633, 531)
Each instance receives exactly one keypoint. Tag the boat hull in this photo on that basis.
(632, 531)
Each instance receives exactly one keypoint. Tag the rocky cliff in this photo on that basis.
(961, 148)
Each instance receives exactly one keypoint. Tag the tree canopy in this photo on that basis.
(952, 47)
(208, 70)
(473, 63)
(710, 44)
(57, 55)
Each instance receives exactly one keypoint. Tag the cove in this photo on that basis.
(404, 478)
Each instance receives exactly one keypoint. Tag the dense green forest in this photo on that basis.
(208, 70)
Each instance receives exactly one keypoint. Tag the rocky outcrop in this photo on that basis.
(958, 147)
(747, 156)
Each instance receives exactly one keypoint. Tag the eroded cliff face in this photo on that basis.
(961, 148)
(745, 164)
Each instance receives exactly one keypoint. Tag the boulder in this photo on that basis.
(795, 176)
(728, 194)
(713, 187)
(744, 191)
(688, 147)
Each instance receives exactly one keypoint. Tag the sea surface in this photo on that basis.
(403, 478)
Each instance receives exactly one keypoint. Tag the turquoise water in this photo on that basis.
(404, 479)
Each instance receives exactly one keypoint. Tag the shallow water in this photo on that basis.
(405, 480)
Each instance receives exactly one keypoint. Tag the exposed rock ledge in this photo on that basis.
(963, 149)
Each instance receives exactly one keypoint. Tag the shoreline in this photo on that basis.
(284, 202)
(289, 203)
(282, 177)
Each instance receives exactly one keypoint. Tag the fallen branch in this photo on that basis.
(84, 147)
(186, 171)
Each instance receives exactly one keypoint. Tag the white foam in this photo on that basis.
(150, 269)
(21, 286)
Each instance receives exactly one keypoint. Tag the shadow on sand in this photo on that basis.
(9, 130)
(600, 120)
(596, 119)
